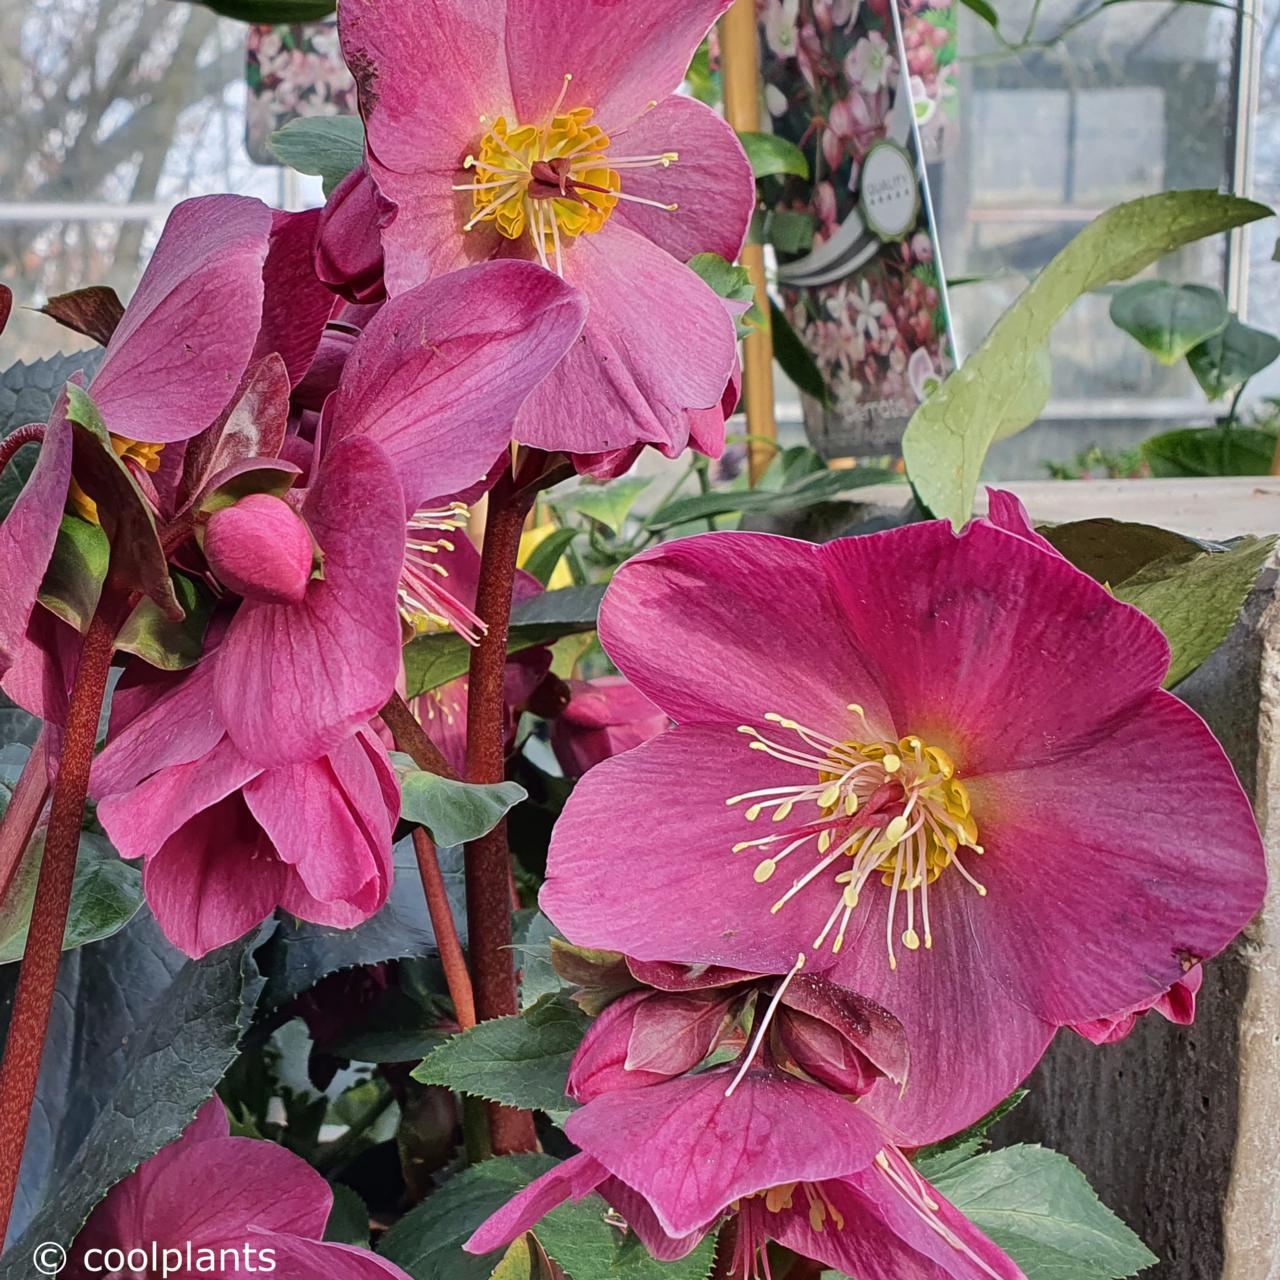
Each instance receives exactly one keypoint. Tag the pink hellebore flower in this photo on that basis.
(225, 841)
(1177, 1005)
(940, 767)
(604, 717)
(210, 1204)
(552, 131)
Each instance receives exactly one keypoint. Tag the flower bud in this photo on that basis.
(604, 717)
(261, 549)
(348, 244)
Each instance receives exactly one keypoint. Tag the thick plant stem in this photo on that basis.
(413, 740)
(488, 862)
(38, 976)
(23, 813)
(451, 957)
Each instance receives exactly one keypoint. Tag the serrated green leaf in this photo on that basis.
(1211, 451)
(431, 661)
(610, 503)
(455, 812)
(771, 154)
(73, 581)
(579, 1239)
(521, 1061)
(948, 437)
(329, 147)
(1196, 602)
(1231, 357)
(939, 1157)
(1038, 1207)
(1169, 319)
(348, 1219)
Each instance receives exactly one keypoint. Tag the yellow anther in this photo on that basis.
(764, 870)
(849, 897)
(911, 940)
(892, 763)
(828, 798)
(851, 804)
(753, 813)
(896, 829)
(783, 811)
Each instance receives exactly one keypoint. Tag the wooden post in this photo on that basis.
(740, 68)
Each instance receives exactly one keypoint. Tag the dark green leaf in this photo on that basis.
(1196, 602)
(1231, 357)
(455, 812)
(348, 1219)
(984, 11)
(794, 358)
(174, 1056)
(1211, 451)
(1169, 319)
(1112, 551)
(545, 557)
(272, 12)
(1038, 1207)
(73, 581)
(521, 1061)
(948, 437)
(771, 154)
(790, 230)
(329, 147)
(435, 660)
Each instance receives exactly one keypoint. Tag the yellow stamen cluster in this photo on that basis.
(552, 181)
(425, 605)
(893, 810)
(782, 1198)
(147, 456)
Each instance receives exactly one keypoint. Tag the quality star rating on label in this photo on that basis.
(888, 194)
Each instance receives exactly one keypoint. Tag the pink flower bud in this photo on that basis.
(348, 247)
(261, 549)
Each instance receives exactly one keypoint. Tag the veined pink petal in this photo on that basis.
(1095, 865)
(1000, 654)
(1005, 511)
(296, 303)
(439, 374)
(292, 681)
(297, 1258)
(634, 374)
(214, 879)
(189, 331)
(691, 1151)
(622, 55)
(30, 530)
(571, 1180)
(640, 1218)
(699, 627)
(712, 180)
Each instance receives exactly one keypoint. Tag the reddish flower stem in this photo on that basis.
(412, 739)
(726, 1248)
(488, 862)
(16, 439)
(29, 1024)
(23, 813)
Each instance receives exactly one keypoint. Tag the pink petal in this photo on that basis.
(299, 1259)
(634, 375)
(213, 880)
(296, 303)
(187, 336)
(1119, 863)
(642, 1220)
(30, 530)
(439, 374)
(691, 1151)
(622, 56)
(574, 1178)
(987, 647)
(292, 681)
(727, 627)
(600, 1064)
(1005, 511)
(712, 181)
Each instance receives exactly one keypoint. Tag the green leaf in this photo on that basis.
(936, 1159)
(532, 945)
(348, 1219)
(431, 661)
(521, 1061)
(1038, 1207)
(703, 83)
(794, 358)
(984, 11)
(734, 284)
(73, 581)
(610, 503)
(1196, 602)
(1231, 357)
(1111, 551)
(455, 812)
(1169, 319)
(770, 154)
(162, 642)
(329, 147)
(272, 12)
(948, 437)
(1211, 451)
(105, 896)
(790, 230)
(546, 556)
(427, 1241)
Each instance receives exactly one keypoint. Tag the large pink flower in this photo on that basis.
(211, 1204)
(225, 841)
(604, 716)
(941, 767)
(552, 131)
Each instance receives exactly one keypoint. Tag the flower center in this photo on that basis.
(147, 456)
(892, 810)
(425, 605)
(553, 181)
